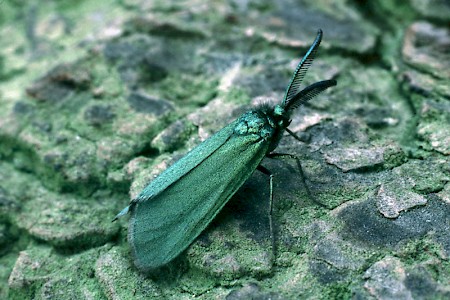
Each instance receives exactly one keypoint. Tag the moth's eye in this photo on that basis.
(278, 110)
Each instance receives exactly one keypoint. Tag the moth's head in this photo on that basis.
(281, 116)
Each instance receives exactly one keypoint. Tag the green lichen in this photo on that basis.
(188, 91)
(54, 160)
(337, 291)
(55, 271)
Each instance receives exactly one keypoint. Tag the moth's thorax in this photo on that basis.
(266, 122)
(255, 122)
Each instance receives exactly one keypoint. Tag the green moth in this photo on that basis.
(172, 211)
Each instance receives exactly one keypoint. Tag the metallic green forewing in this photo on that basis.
(186, 197)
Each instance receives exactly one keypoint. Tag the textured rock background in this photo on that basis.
(96, 98)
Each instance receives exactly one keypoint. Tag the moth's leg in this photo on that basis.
(272, 236)
(302, 174)
(295, 136)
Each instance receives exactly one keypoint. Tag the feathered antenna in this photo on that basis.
(302, 68)
(308, 93)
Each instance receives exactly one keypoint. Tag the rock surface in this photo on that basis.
(98, 98)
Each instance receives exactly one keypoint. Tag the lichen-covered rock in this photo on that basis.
(41, 272)
(117, 279)
(96, 99)
(438, 9)
(386, 280)
(434, 125)
(251, 291)
(427, 48)
(339, 253)
(289, 23)
(389, 278)
(68, 222)
(228, 255)
(364, 223)
(394, 197)
(445, 193)
(352, 158)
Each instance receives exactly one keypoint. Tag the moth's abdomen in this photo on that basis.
(255, 123)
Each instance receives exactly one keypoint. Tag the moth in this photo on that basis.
(172, 211)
